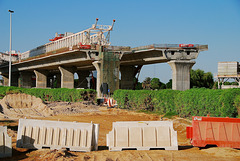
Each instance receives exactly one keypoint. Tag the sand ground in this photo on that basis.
(105, 117)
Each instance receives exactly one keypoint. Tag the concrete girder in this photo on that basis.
(181, 74)
(52, 61)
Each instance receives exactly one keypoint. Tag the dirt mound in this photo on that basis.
(23, 105)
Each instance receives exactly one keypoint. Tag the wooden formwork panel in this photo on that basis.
(5, 143)
(142, 135)
(37, 134)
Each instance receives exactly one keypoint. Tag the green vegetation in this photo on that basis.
(198, 78)
(196, 101)
(154, 83)
(58, 94)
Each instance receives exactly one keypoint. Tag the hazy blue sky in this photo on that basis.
(138, 22)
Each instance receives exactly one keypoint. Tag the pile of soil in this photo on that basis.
(22, 105)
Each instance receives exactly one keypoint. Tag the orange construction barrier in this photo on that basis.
(223, 132)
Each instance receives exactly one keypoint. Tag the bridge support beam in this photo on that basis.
(127, 76)
(25, 79)
(181, 74)
(82, 81)
(67, 77)
(41, 79)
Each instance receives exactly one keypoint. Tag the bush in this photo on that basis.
(155, 100)
(237, 104)
(197, 101)
(58, 94)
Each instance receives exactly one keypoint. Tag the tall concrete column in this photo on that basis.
(41, 79)
(97, 65)
(181, 74)
(127, 76)
(82, 81)
(67, 77)
(25, 79)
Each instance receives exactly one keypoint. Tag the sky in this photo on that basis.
(215, 23)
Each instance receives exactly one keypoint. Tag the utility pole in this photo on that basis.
(10, 53)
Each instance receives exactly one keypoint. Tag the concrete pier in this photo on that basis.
(25, 79)
(127, 76)
(5, 80)
(181, 74)
(67, 77)
(41, 79)
(82, 81)
(97, 66)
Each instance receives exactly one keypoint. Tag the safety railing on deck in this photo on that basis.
(82, 37)
(93, 35)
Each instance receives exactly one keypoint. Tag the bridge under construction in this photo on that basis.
(53, 65)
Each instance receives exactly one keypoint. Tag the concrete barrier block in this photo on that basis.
(142, 135)
(38, 134)
(5, 143)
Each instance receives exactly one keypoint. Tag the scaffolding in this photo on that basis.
(110, 65)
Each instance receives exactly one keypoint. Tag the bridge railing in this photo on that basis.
(84, 37)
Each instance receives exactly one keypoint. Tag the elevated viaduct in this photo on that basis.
(107, 61)
(59, 60)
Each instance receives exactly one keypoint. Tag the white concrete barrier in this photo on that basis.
(5, 143)
(142, 135)
(38, 134)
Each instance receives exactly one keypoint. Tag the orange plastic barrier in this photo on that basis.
(223, 132)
